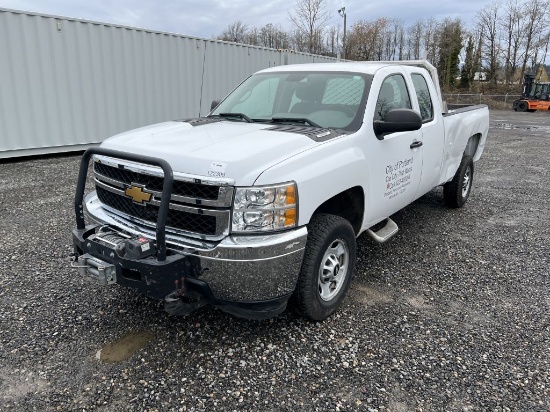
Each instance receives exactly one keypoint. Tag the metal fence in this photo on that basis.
(66, 83)
(494, 101)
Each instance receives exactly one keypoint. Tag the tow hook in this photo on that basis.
(177, 304)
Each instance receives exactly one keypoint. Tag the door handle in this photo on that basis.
(415, 144)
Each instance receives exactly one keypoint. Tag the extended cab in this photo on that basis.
(261, 201)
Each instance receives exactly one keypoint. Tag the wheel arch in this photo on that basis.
(454, 194)
(472, 145)
(349, 204)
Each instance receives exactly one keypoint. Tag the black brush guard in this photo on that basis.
(158, 276)
(164, 201)
(173, 278)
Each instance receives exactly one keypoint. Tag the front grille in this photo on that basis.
(154, 183)
(197, 223)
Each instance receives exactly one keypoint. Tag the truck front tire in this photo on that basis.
(327, 267)
(457, 191)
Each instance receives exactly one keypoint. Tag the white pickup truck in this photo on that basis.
(259, 203)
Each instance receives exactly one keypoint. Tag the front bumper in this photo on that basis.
(251, 276)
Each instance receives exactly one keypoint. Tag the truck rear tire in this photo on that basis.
(457, 191)
(327, 268)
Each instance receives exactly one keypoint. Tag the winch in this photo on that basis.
(124, 245)
(121, 244)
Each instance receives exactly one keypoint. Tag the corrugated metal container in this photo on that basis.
(66, 84)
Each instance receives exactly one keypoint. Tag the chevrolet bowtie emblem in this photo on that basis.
(137, 194)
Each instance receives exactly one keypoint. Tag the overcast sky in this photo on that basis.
(208, 18)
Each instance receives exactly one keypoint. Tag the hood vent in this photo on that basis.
(199, 121)
(314, 133)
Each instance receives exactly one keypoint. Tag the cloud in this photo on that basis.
(208, 18)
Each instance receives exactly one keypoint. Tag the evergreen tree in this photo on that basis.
(450, 44)
(467, 73)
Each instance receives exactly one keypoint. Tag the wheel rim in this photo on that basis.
(333, 270)
(467, 182)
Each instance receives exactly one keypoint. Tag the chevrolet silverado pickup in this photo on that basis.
(260, 202)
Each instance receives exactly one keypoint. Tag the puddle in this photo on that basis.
(125, 347)
(510, 126)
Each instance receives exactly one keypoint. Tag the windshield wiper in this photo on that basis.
(238, 116)
(302, 120)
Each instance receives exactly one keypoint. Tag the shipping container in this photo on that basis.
(67, 84)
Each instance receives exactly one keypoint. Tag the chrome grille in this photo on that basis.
(154, 183)
(203, 224)
(196, 209)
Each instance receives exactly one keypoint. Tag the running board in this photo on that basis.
(383, 234)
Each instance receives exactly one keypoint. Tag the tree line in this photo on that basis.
(506, 40)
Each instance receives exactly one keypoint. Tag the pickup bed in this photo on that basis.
(260, 202)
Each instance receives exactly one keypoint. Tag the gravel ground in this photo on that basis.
(451, 314)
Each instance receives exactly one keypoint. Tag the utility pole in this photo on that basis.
(342, 13)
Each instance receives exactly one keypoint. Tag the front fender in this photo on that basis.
(320, 173)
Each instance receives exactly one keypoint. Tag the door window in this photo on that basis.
(393, 95)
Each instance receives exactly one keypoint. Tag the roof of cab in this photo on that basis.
(358, 67)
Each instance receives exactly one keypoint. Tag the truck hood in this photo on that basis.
(240, 151)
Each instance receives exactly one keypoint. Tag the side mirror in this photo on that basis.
(397, 120)
(214, 104)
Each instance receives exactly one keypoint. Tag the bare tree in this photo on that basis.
(391, 37)
(536, 12)
(513, 35)
(309, 17)
(298, 40)
(415, 34)
(331, 41)
(539, 50)
(488, 19)
(401, 43)
(431, 39)
(235, 32)
(274, 37)
(252, 37)
(507, 38)
(365, 40)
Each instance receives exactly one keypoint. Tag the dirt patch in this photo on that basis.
(17, 383)
(371, 295)
(418, 302)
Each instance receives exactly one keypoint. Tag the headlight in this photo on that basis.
(265, 208)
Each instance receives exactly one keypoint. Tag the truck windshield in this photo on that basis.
(333, 100)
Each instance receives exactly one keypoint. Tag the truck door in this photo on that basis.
(394, 163)
(433, 134)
